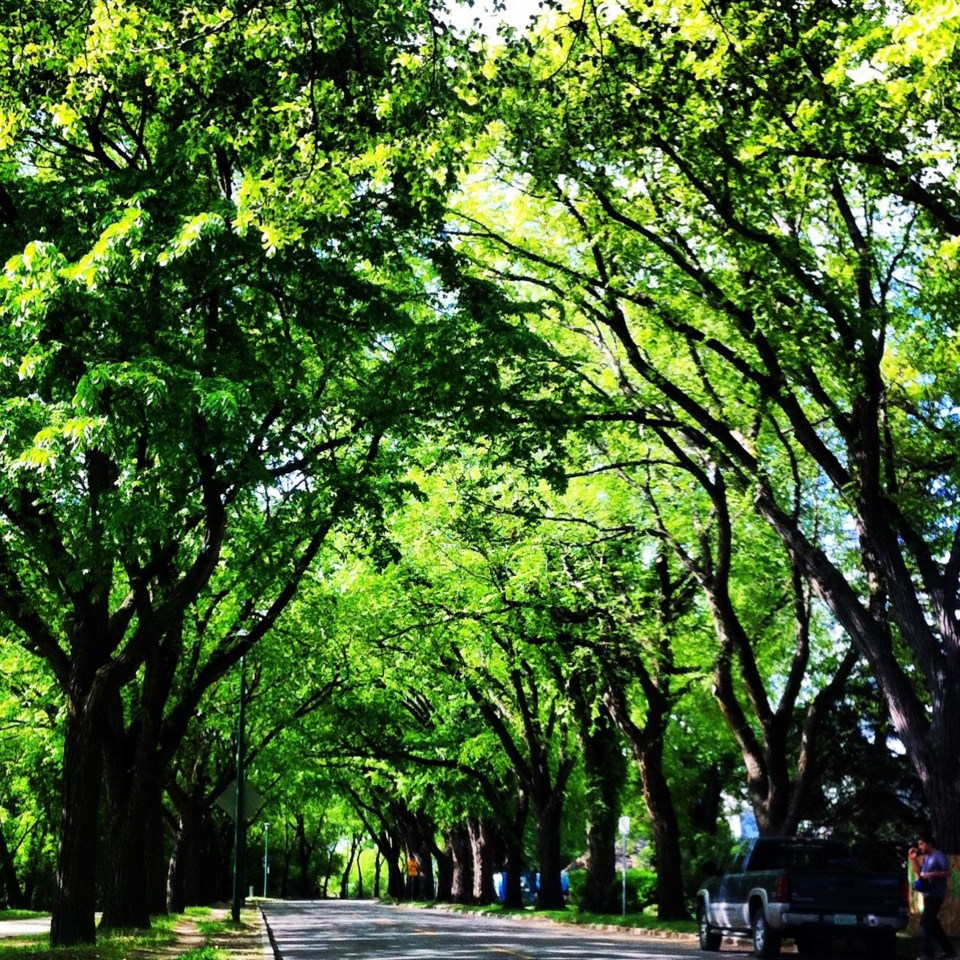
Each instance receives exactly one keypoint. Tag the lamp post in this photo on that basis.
(266, 868)
(239, 835)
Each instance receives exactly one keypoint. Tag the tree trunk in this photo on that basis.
(605, 773)
(514, 861)
(671, 902)
(183, 859)
(8, 876)
(929, 732)
(134, 777)
(304, 853)
(483, 860)
(445, 871)
(549, 822)
(392, 852)
(131, 799)
(646, 745)
(73, 918)
(461, 859)
(345, 879)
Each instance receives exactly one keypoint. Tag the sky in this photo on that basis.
(515, 12)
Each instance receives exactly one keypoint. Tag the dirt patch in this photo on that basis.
(212, 929)
(243, 941)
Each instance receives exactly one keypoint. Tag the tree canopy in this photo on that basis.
(604, 372)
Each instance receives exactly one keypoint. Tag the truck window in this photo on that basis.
(821, 856)
(769, 856)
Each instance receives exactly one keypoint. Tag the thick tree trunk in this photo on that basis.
(646, 745)
(132, 798)
(73, 919)
(134, 780)
(445, 871)
(8, 877)
(157, 859)
(671, 902)
(198, 870)
(549, 822)
(392, 853)
(484, 860)
(182, 865)
(605, 771)
(941, 778)
(395, 882)
(461, 861)
(514, 861)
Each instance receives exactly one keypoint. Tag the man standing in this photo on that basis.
(933, 867)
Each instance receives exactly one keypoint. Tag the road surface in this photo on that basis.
(334, 930)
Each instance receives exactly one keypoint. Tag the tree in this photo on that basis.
(751, 215)
(287, 678)
(780, 701)
(221, 285)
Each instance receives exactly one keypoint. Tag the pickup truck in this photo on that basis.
(807, 890)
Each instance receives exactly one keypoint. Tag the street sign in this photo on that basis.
(252, 801)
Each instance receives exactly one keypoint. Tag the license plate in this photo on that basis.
(845, 920)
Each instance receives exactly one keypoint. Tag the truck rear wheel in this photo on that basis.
(709, 938)
(766, 942)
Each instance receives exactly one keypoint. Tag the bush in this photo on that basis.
(641, 888)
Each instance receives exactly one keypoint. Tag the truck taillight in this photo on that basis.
(782, 893)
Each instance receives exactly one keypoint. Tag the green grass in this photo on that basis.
(204, 953)
(213, 928)
(21, 914)
(116, 945)
(633, 921)
(110, 945)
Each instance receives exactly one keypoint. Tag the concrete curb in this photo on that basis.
(271, 951)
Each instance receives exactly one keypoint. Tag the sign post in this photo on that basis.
(624, 831)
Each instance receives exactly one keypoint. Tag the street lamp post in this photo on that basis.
(239, 835)
(266, 867)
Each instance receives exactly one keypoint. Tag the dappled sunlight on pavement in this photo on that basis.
(335, 930)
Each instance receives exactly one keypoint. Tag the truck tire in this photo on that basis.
(709, 938)
(766, 942)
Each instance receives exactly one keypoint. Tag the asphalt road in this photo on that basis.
(331, 930)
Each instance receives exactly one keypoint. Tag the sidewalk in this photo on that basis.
(24, 928)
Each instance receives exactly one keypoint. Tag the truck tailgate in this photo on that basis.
(839, 893)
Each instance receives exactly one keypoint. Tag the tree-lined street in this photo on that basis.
(425, 448)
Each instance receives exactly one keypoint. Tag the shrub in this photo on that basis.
(641, 888)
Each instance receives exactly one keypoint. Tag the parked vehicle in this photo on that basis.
(807, 890)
